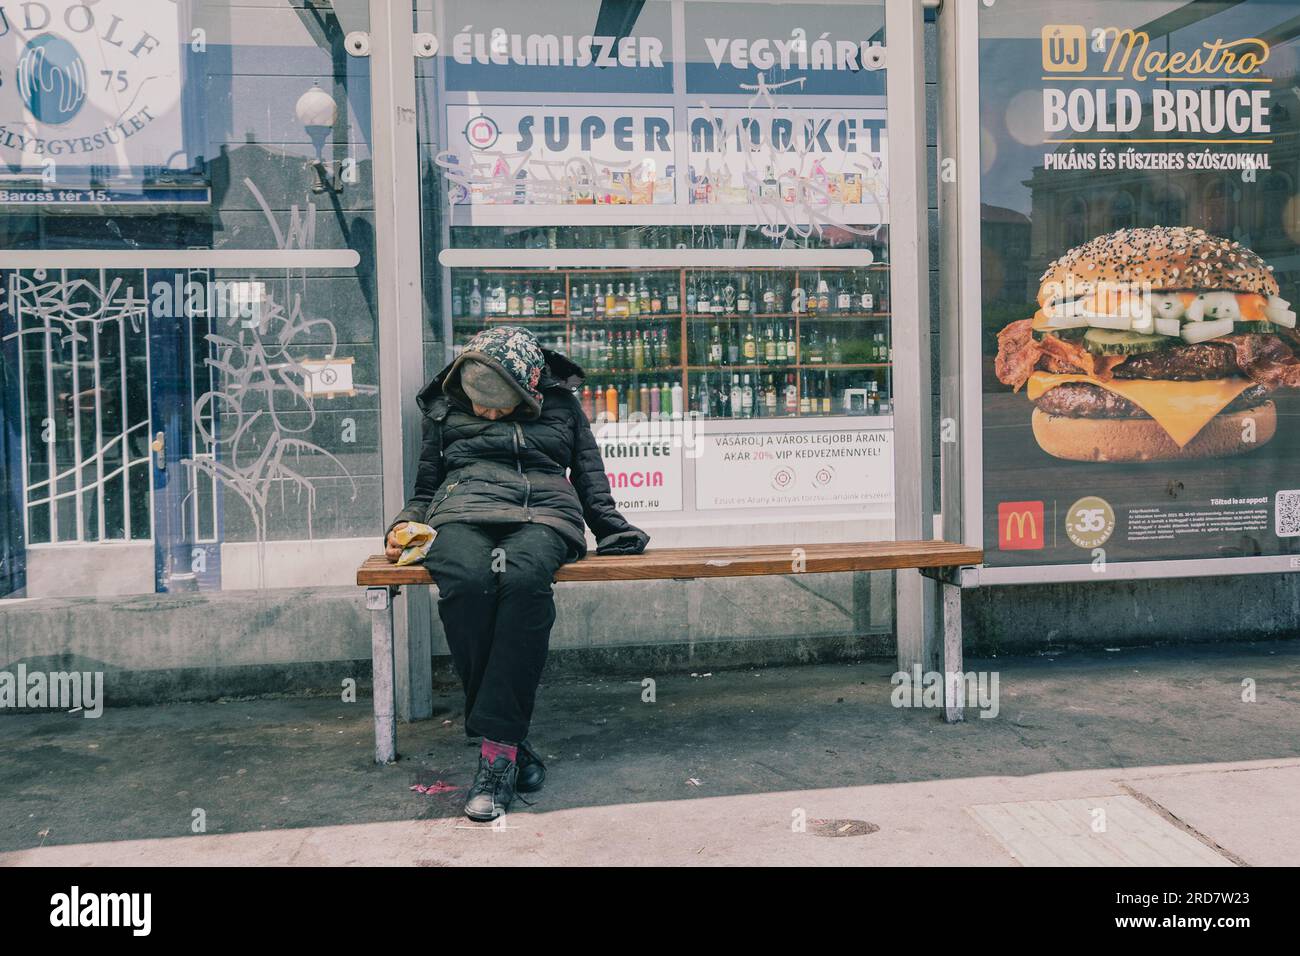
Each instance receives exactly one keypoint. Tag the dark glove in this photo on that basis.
(632, 541)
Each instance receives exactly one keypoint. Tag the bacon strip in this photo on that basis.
(1018, 354)
(1073, 357)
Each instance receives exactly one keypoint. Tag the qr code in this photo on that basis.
(1286, 511)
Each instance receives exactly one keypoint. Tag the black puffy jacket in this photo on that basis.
(513, 469)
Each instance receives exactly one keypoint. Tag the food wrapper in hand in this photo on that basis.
(415, 540)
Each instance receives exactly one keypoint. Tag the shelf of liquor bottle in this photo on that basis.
(690, 271)
(726, 270)
(647, 370)
(802, 316)
(619, 318)
(575, 270)
(525, 319)
(810, 366)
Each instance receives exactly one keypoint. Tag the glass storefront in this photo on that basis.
(689, 199)
(187, 301)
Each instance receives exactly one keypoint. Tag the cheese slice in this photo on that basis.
(1182, 409)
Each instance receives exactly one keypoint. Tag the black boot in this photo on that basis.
(493, 789)
(532, 772)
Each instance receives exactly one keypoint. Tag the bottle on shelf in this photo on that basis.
(866, 297)
(790, 396)
(750, 349)
(475, 300)
(703, 302)
(499, 299)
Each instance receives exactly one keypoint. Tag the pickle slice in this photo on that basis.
(1071, 334)
(1112, 342)
(1262, 326)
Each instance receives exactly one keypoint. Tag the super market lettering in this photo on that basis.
(788, 135)
(620, 130)
(795, 52)
(501, 48)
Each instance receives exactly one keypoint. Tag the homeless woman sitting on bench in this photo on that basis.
(501, 427)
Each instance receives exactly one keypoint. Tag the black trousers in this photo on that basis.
(497, 608)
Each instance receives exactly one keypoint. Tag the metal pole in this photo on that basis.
(915, 595)
(401, 317)
(380, 603)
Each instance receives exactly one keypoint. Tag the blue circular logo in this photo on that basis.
(51, 79)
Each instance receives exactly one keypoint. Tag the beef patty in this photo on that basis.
(1182, 363)
(1082, 400)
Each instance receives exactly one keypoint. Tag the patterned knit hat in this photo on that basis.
(512, 351)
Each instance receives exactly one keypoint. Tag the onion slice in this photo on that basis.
(1194, 332)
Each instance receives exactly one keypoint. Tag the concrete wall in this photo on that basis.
(238, 643)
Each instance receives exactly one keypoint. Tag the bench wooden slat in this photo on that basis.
(665, 563)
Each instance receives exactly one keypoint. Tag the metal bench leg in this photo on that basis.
(380, 603)
(952, 656)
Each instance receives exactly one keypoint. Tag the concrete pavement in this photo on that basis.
(1138, 756)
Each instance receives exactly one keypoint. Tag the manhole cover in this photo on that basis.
(841, 828)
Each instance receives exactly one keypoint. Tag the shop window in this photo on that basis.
(715, 253)
(187, 326)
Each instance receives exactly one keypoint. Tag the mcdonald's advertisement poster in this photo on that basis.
(1140, 261)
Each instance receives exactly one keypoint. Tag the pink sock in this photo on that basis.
(491, 749)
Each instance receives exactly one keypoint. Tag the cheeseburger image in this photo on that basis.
(1153, 344)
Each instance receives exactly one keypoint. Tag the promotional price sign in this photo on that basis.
(1139, 222)
(791, 469)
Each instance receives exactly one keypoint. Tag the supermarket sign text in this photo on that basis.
(520, 154)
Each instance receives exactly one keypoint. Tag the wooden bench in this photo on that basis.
(383, 580)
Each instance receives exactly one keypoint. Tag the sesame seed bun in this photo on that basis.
(1141, 439)
(1168, 257)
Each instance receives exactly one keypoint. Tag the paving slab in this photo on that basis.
(1252, 812)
